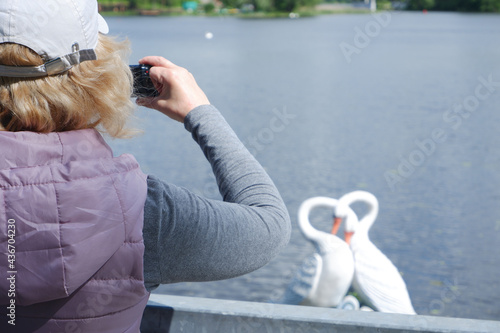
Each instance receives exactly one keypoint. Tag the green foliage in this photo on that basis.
(456, 5)
(133, 4)
(232, 3)
(141, 4)
(460, 5)
(209, 7)
(384, 5)
(490, 6)
(263, 5)
(294, 5)
(285, 5)
(420, 4)
(310, 3)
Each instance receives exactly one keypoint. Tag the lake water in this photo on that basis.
(404, 105)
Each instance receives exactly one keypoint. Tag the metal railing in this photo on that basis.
(166, 313)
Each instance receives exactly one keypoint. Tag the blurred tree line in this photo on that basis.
(139, 4)
(291, 5)
(259, 5)
(272, 5)
(455, 5)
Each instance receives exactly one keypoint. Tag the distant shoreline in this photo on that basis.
(301, 13)
(321, 9)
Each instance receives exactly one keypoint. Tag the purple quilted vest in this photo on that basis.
(71, 218)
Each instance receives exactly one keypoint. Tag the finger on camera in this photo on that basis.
(157, 61)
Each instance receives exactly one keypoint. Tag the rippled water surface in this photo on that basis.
(398, 105)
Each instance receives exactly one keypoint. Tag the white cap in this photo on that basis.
(63, 32)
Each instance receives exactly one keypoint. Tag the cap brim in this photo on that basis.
(103, 26)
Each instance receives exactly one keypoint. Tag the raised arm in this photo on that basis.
(191, 238)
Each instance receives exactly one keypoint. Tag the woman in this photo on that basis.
(87, 235)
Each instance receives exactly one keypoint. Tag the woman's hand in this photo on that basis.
(178, 91)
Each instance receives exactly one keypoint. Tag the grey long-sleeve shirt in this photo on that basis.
(191, 238)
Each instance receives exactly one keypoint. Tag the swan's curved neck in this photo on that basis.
(305, 208)
(367, 221)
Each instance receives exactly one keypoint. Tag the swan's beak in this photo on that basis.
(337, 221)
(348, 236)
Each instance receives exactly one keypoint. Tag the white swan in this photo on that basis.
(325, 277)
(376, 279)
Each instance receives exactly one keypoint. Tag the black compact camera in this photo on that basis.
(143, 86)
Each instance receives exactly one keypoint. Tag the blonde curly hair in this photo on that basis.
(93, 94)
